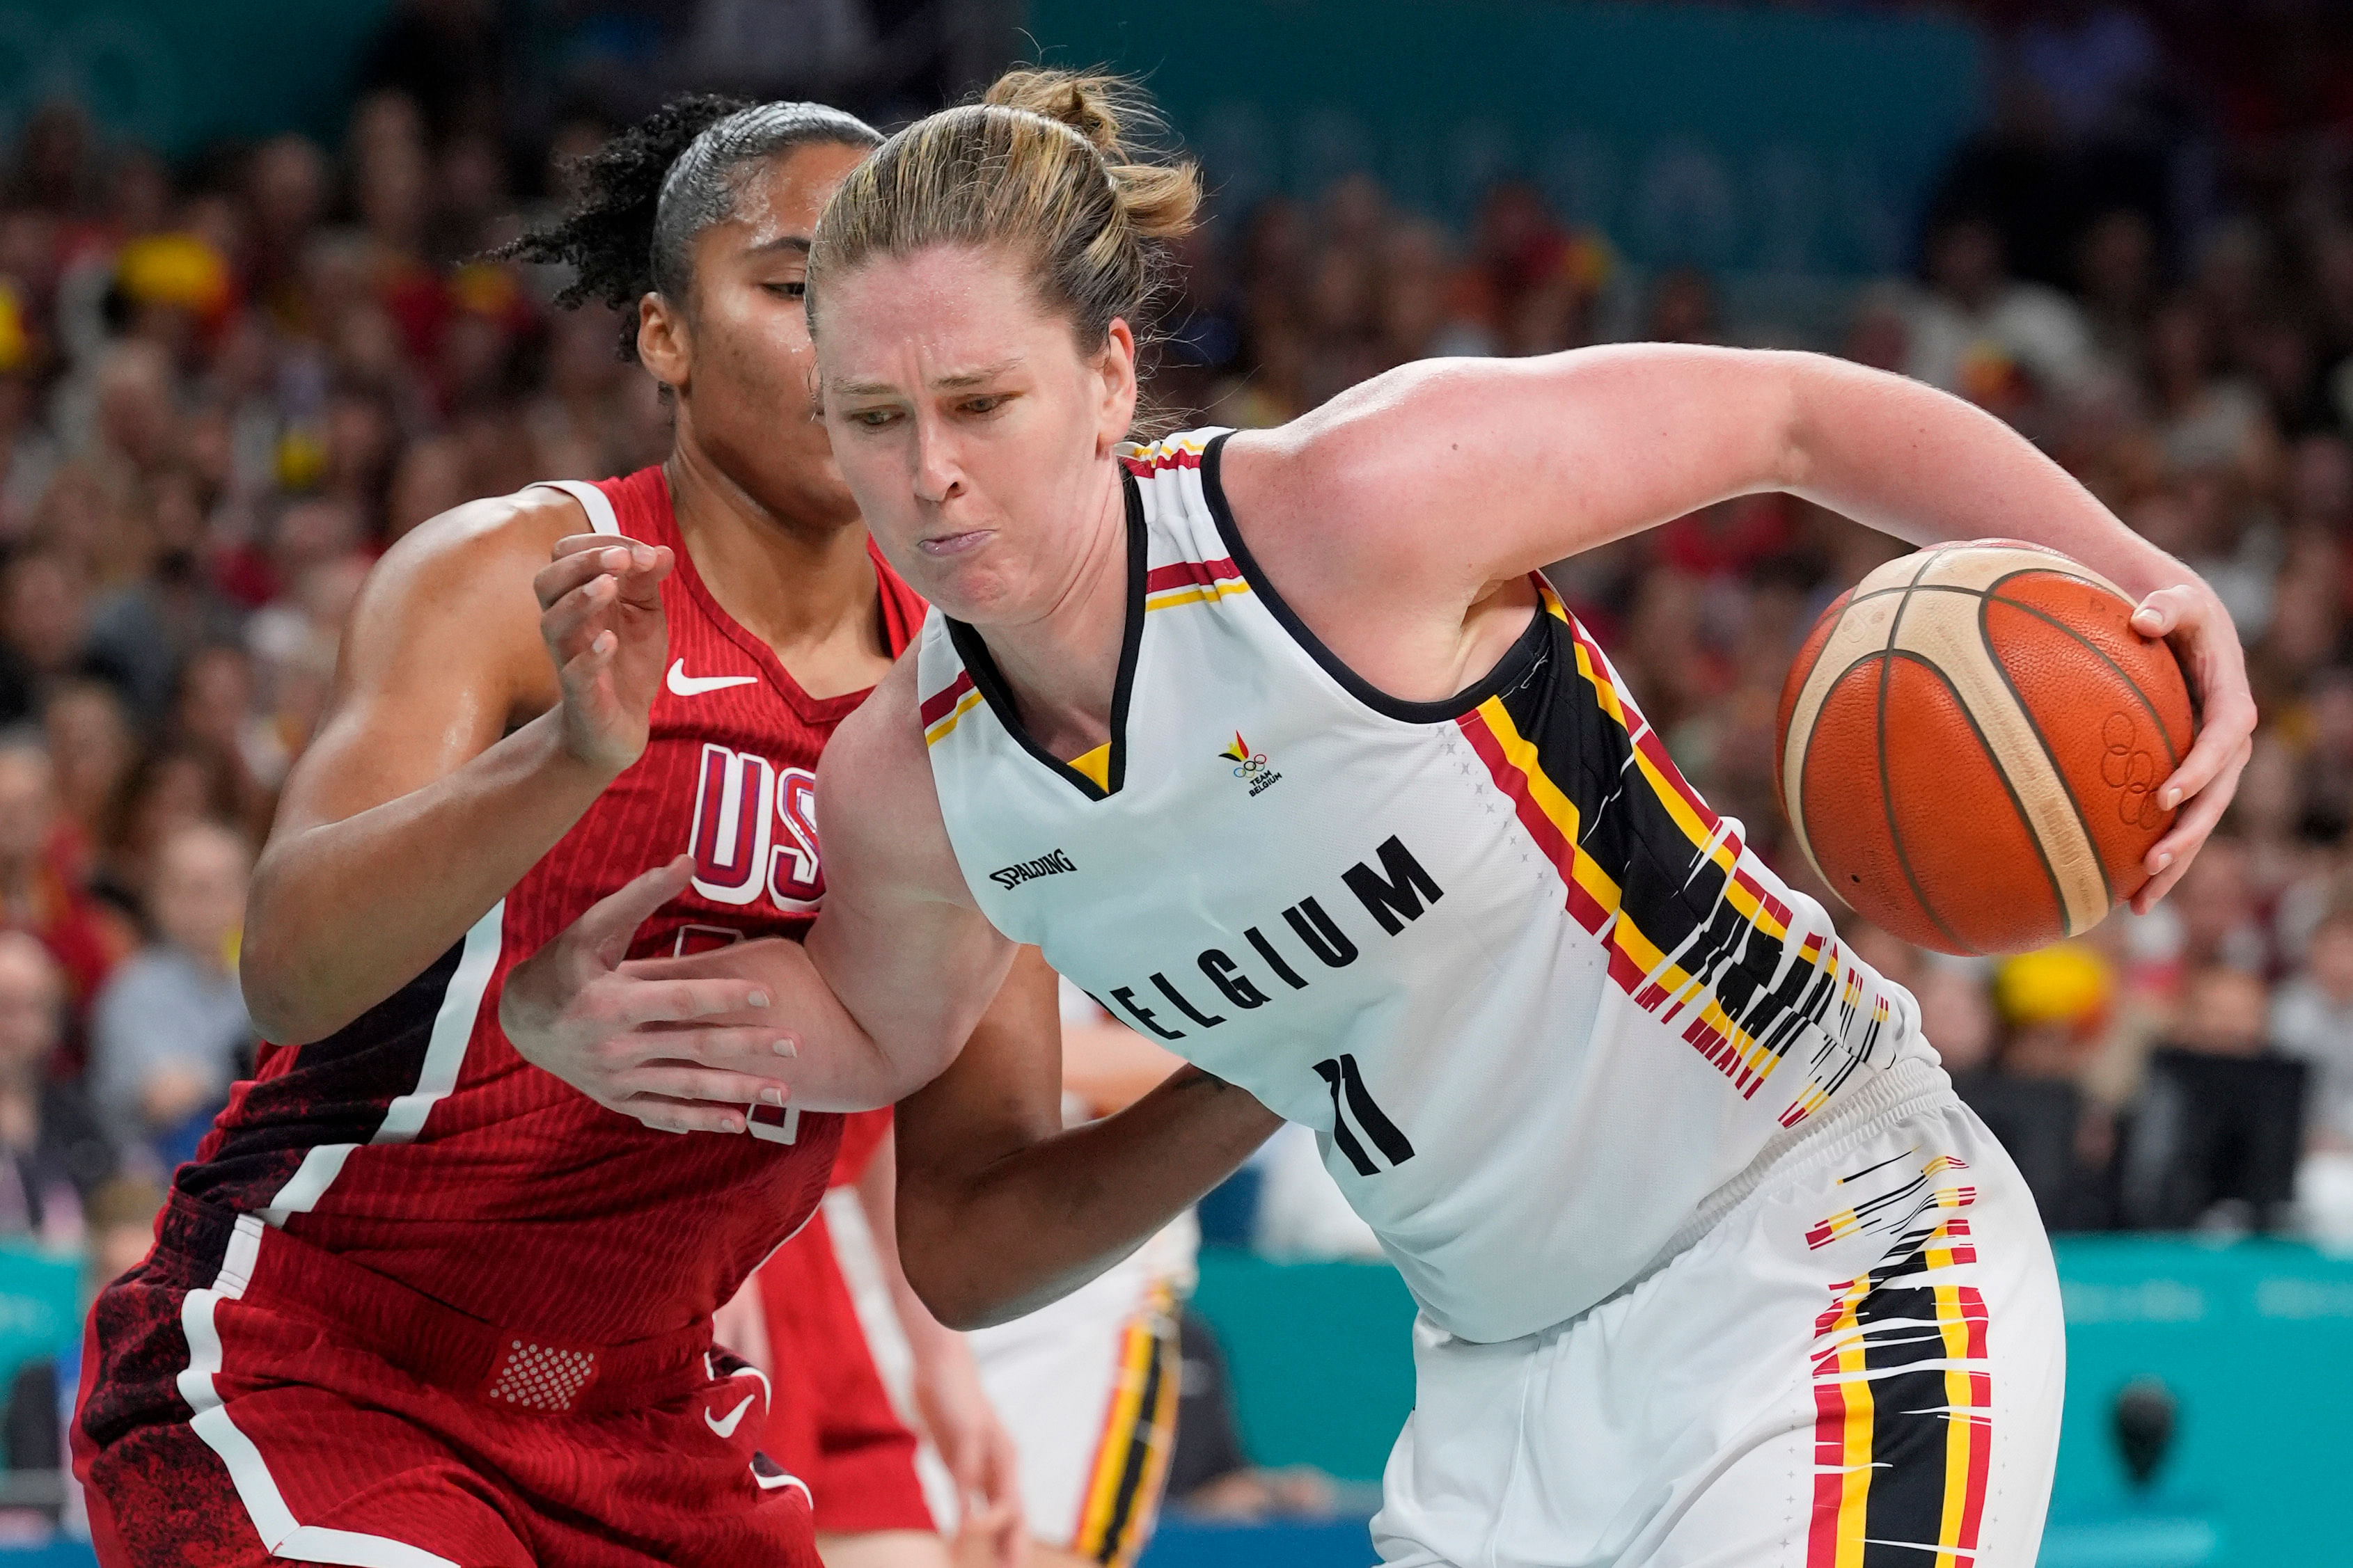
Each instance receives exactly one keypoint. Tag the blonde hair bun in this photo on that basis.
(1049, 167)
(1158, 200)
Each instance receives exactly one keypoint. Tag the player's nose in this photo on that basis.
(938, 474)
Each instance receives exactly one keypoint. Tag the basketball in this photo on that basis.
(1970, 743)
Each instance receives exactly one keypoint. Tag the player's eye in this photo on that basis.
(987, 405)
(792, 291)
(874, 418)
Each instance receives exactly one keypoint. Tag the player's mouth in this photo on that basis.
(946, 544)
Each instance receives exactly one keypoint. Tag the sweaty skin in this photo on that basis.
(1400, 521)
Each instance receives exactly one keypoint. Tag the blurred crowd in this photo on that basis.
(226, 386)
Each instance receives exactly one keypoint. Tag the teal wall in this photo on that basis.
(1746, 137)
(40, 1306)
(2255, 1340)
(174, 73)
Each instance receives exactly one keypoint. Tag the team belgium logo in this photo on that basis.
(1248, 765)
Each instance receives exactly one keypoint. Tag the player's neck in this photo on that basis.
(806, 588)
(1063, 662)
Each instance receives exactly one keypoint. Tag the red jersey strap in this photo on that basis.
(592, 498)
(902, 608)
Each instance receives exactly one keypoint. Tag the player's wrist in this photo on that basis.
(2142, 569)
(577, 751)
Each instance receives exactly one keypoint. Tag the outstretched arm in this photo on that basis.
(1001, 1210)
(1462, 475)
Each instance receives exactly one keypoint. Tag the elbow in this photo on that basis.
(275, 997)
(947, 1264)
(963, 1312)
(946, 1293)
(270, 999)
(963, 1293)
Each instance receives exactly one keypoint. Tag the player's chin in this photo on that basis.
(974, 583)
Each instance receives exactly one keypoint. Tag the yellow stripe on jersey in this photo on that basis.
(1605, 692)
(1853, 1438)
(939, 731)
(1131, 1422)
(1195, 594)
(1548, 797)
(1096, 765)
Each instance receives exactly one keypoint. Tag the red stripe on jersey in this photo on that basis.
(1180, 459)
(1185, 573)
(903, 608)
(1541, 827)
(941, 704)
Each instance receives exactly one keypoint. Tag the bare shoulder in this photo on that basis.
(455, 595)
(1377, 453)
(876, 803)
(484, 541)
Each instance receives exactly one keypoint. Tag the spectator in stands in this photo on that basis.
(2055, 1006)
(91, 749)
(1958, 1015)
(170, 1032)
(56, 1150)
(43, 628)
(39, 895)
(1983, 334)
(1210, 1475)
(2312, 1019)
(2223, 1013)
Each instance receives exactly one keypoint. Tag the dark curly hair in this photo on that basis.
(651, 190)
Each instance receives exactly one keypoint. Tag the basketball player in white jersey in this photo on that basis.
(1278, 745)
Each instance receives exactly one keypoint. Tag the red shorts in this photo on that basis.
(247, 1396)
(832, 1422)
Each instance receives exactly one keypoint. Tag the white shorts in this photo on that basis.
(1858, 1365)
(1088, 1387)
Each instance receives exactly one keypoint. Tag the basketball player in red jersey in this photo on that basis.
(416, 1302)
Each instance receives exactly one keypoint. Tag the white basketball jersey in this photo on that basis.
(1538, 1002)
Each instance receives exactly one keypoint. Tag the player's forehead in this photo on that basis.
(774, 201)
(945, 317)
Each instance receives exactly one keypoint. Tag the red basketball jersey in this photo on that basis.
(417, 1143)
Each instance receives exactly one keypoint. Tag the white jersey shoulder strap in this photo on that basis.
(594, 501)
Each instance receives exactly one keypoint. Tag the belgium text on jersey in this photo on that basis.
(1011, 877)
(1393, 895)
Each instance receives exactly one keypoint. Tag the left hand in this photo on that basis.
(2193, 620)
(979, 1452)
(638, 1036)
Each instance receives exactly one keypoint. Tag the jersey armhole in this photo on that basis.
(1526, 652)
(593, 500)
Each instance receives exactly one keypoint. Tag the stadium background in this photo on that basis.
(246, 339)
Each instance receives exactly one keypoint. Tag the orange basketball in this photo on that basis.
(1971, 741)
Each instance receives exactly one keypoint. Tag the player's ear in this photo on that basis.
(665, 345)
(1114, 363)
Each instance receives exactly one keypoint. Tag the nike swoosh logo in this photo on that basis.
(726, 1426)
(685, 685)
